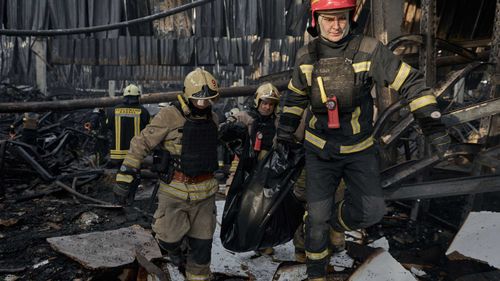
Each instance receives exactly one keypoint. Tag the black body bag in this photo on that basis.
(252, 220)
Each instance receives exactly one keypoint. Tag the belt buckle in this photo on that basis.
(188, 179)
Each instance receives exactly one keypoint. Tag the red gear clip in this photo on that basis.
(333, 113)
(258, 141)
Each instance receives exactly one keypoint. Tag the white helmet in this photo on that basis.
(131, 90)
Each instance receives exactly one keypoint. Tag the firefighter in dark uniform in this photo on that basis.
(125, 121)
(186, 198)
(259, 121)
(331, 83)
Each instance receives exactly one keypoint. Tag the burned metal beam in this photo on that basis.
(410, 169)
(397, 129)
(454, 77)
(112, 101)
(469, 113)
(473, 112)
(428, 54)
(44, 174)
(445, 188)
(441, 44)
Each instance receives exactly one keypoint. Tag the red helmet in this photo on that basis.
(323, 5)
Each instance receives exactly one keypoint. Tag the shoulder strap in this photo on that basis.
(352, 48)
(313, 49)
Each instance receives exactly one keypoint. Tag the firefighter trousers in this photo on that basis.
(175, 219)
(362, 206)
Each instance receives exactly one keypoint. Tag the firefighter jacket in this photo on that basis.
(263, 127)
(167, 129)
(347, 70)
(125, 121)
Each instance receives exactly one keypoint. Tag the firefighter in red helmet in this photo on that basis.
(331, 85)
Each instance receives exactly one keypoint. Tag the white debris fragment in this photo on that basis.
(478, 239)
(174, 272)
(355, 236)
(341, 261)
(294, 272)
(42, 263)
(11, 277)
(380, 243)
(417, 272)
(381, 266)
(285, 252)
(87, 219)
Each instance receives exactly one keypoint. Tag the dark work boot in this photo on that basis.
(337, 241)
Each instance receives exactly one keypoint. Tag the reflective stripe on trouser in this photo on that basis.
(196, 277)
(193, 192)
(363, 204)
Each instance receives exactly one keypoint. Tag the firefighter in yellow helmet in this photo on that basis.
(258, 124)
(125, 121)
(331, 85)
(186, 198)
(259, 121)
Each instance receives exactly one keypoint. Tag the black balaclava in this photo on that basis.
(199, 112)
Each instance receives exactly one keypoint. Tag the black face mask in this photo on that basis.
(199, 112)
(131, 100)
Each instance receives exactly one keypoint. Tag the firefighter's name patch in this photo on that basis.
(132, 111)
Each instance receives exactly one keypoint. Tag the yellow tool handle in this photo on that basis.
(324, 98)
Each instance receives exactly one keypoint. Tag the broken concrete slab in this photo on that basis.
(381, 266)
(291, 272)
(478, 239)
(341, 261)
(107, 249)
(380, 243)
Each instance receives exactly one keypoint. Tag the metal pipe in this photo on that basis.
(112, 101)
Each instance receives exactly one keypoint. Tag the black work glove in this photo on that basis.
(429, 119)
(284, 137)
(440, 142)
(220, 175)
(127, 181)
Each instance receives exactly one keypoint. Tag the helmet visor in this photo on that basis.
(205, 93)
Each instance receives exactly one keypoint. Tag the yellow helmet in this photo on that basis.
(131, 90)
(267, 92)
(199, 84)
